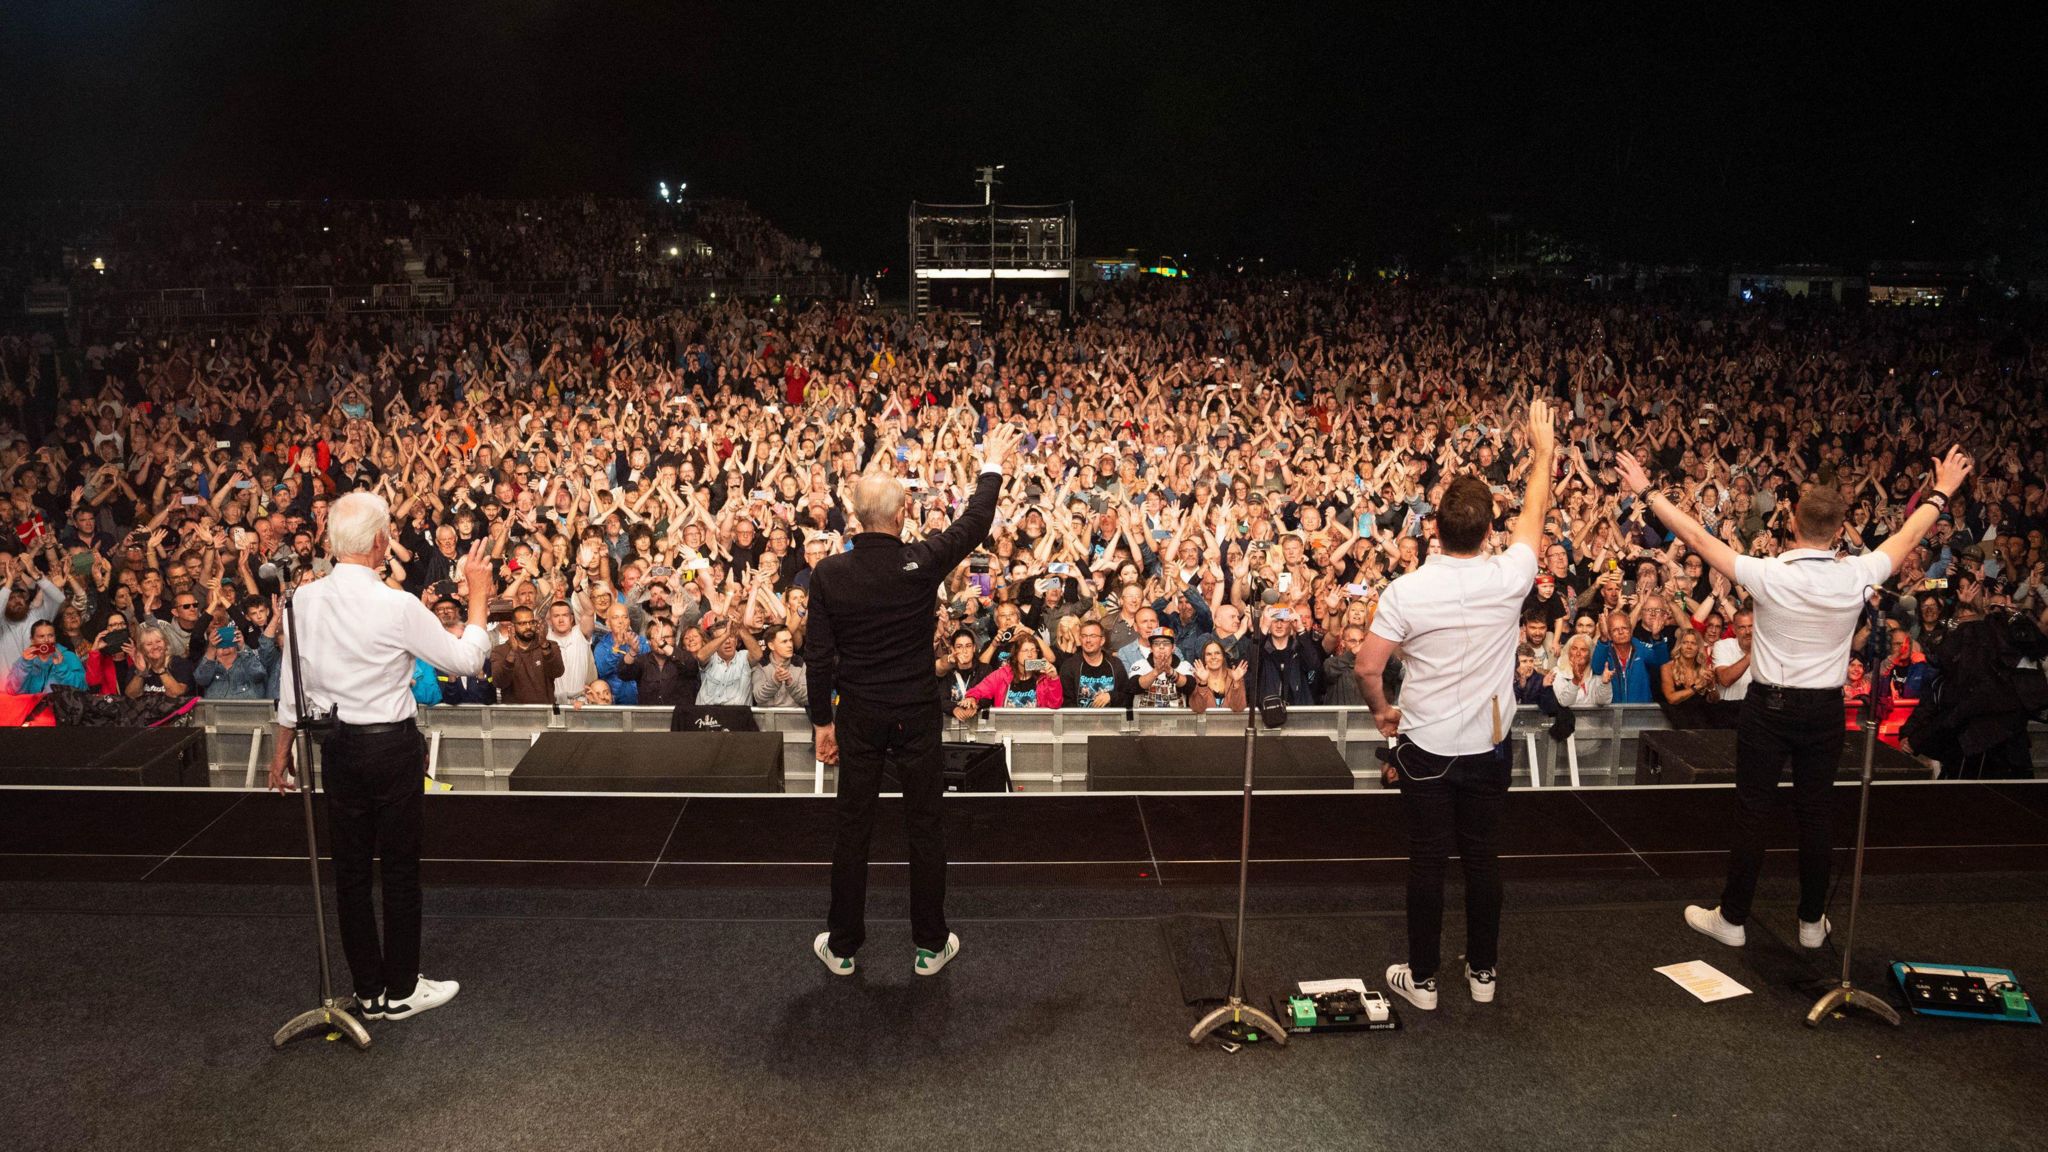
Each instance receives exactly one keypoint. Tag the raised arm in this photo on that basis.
(1636, 482)
(1950, 473)
(1542, 464)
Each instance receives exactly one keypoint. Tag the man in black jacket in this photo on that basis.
(874, 610)
(1291, 662)
(1092, 678)
(667, 677)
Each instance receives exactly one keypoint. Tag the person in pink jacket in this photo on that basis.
(1026, 680)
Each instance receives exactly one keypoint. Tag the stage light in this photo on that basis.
(99, 264)
(674, 251)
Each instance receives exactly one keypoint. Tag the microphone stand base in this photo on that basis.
(1236, 1011)
(1845, 996)
(333, 1015)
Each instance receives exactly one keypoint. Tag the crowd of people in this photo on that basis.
(1208, 466)
(121, 246)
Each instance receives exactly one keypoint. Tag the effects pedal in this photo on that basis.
(1352, 1008)
(1965, 991)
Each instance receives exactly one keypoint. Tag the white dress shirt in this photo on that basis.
(1808, 601)
(361, 637)
(1457, 619)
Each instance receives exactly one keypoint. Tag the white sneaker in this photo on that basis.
(1481, 983)
(427, 995)
(1421, 993)
(1708, 922)
(929, 962)
(838, 965)
(1816, 934)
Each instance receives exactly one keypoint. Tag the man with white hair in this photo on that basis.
(873, 612)
(354, 639)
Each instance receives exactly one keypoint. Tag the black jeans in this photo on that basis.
(1804, 726)
(1453, 800)
(373, 786)
(908, 736)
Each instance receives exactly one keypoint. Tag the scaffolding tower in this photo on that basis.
(1004, 248)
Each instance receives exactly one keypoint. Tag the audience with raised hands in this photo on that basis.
(1225, 461)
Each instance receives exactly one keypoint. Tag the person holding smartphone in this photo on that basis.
(1026, 680)
(45, 664)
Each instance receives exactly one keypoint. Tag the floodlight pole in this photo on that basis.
(988, 183)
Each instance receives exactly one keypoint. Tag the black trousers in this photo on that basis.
(909, 735)
(374, 789)
(1805, 727)
(1453, 801)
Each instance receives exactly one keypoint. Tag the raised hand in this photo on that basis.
(1634, 480)
(1952, 471)
(476, 572)
(1542, 427)
(1000, 445)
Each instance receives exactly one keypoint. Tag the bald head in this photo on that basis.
(878, 504)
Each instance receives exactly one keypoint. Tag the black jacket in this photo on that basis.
(874, 609)
(665, 680)
(1293, 673)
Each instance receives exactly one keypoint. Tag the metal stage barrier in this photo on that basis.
(475, 747)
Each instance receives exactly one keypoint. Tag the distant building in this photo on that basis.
(1918, 282)
(1796, 280)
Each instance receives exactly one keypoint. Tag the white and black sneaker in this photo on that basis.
(1482, 984)
(1421, 993)
(427, 995)
(838, 965)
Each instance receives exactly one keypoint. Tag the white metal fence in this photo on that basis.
(476, 748)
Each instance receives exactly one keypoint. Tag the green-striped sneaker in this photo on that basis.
(839, 965)
(929, 962)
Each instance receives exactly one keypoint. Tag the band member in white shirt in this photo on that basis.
(1807, 603)
(1455, 621)
(354, 639)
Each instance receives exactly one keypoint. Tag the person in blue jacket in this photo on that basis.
(618, 647)
(1631, 658)
(45, 663)
(426, 685)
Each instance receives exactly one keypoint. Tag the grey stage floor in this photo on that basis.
(139, 1019)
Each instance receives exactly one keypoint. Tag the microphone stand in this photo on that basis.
(1235, 1012)
(333, 1015)
(1845, 994)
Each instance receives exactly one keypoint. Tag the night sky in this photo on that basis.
(1661, 131)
